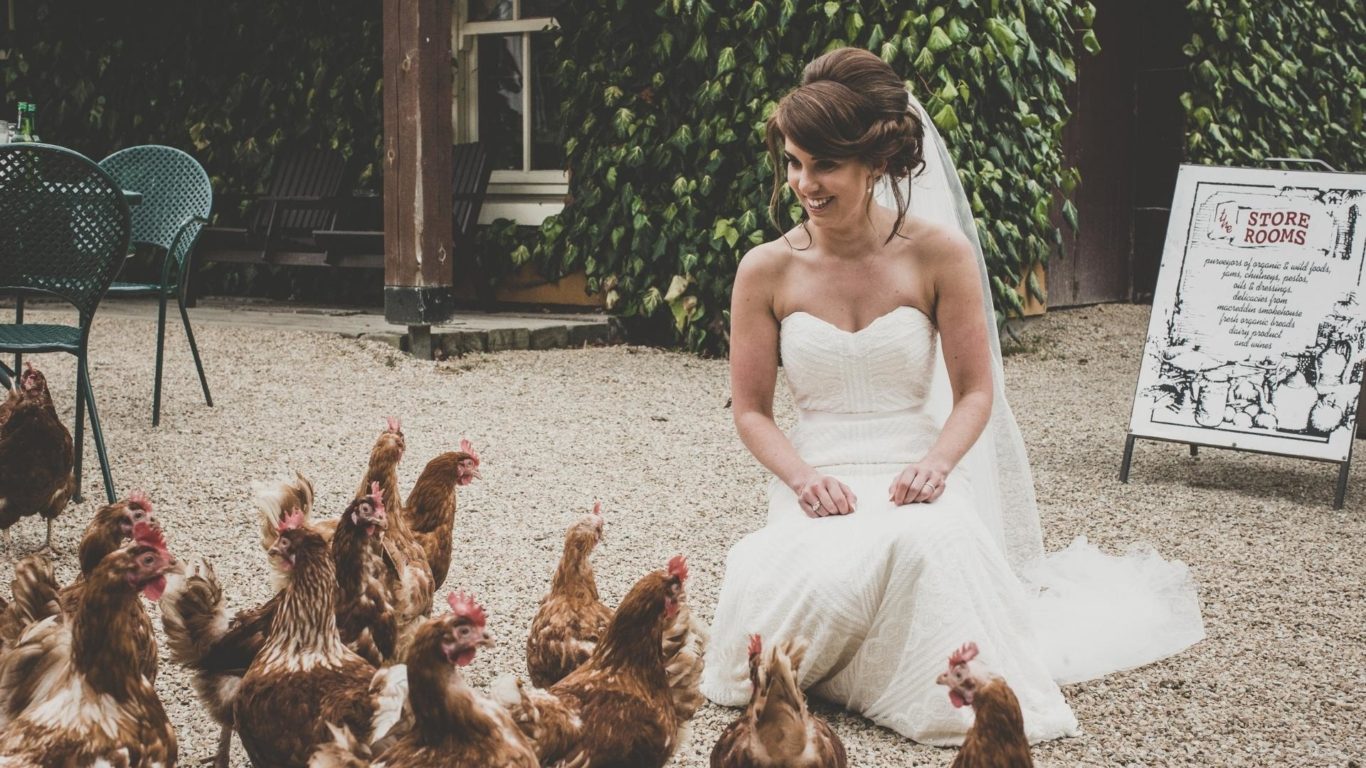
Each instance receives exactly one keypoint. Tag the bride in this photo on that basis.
(902, 520)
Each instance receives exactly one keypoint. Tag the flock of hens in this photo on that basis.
(349, 665)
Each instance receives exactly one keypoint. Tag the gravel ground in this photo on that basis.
(1279, 681)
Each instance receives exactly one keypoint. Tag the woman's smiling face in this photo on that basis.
(830, 189)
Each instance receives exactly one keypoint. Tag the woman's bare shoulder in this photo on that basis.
(933, 240)
(768, 259)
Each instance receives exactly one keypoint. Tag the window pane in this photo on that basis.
(500, 99)
(533, 9)
(491, 10)
(547, 129)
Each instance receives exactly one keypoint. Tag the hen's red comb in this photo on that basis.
(597, 508)
(149, 536)
(293, 519)
(377, 494)
(678, 566)
(963, 655)
(468, 447)
(137, 498)
(756, 645)
(28, 366)
(395, 425)
(463, 604)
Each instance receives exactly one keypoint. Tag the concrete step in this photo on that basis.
(468, 331)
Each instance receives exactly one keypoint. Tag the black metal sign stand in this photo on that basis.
(1343, 466)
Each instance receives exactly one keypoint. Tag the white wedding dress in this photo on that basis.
(885, 594)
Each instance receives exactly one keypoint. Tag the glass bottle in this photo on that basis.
(30, 130)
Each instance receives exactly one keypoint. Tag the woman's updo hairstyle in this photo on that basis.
(850, 104)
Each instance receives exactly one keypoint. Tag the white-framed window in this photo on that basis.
(507, 99)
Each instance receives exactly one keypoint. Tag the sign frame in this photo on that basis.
(1230, 241)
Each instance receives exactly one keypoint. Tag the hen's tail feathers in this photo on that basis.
(685, 642)
(393, 716)
(35, 598)
(551, 727)
(344, 751)
(276, 499)
(37, 665)
(192, 612)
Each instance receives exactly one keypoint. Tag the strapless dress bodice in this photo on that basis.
(861, 395)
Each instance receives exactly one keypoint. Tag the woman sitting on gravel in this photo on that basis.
(901, 514)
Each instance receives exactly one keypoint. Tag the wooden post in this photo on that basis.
(418, 269)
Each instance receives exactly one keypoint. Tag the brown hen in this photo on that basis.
(997, 736)
(75, 691)
(36, 457)
(571, 619)
(777, 730)
(304, 677)
(454, 726)
(616, 710)
(431, 505)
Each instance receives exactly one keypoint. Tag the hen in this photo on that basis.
(409, 582)
(366, 619)
(571, 619)
(36, 457)
(454, 726)
(36, 592)
(431, 505)
(214, 647)
(997, 737)
(616, 710)
(75, 691)
(304, 677)
(777, 730)
(217, 647)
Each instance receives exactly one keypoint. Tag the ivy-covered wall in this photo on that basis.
(1282, 79)
(668, 181)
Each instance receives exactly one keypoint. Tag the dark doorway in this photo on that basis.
(1126, 137)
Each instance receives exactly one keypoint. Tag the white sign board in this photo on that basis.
(1259, 316)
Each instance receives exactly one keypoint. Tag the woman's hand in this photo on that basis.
(822, 495)
(920, 482)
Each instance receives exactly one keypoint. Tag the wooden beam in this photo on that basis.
(418, 241)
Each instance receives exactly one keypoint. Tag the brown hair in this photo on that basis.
(850, 104)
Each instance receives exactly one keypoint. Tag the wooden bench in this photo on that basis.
(303, 195)
(347, 246)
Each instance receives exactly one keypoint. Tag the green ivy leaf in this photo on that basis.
(1089, 42)
(939, 41)
(946, 120)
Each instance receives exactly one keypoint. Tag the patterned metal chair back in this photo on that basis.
(176, 196)
(64, 224)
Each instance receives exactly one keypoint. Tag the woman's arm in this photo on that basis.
(753, 375)
(961, 321)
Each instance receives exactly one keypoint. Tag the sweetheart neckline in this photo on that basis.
(871, 323)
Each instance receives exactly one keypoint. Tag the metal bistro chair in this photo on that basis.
(64, 226)
(176, 200)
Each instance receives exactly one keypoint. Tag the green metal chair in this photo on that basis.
(64, 226)
(176, 200)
